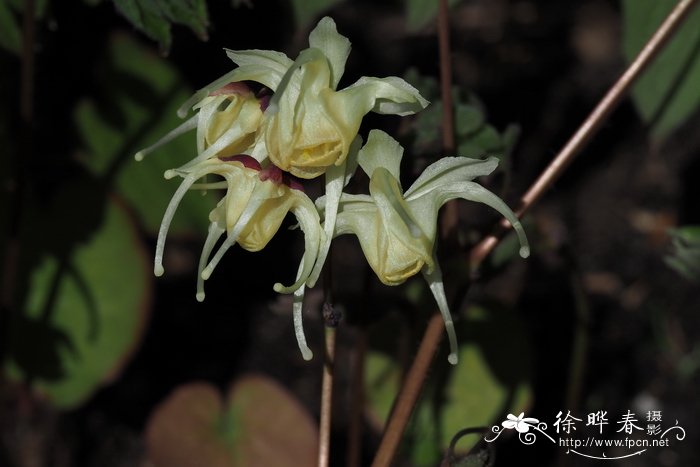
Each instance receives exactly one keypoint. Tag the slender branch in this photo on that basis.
(592, 123)
(409, 393)
(331, 319)
(450, 214)
(357, 401)
(413, 383)
(326, 398)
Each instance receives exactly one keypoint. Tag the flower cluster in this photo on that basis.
(301, 127)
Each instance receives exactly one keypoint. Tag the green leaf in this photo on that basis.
(491, 379)
(421, 12)
(259, 423)
(10, 34)
(306, 11)
(667, 94)
(142, 93)
(469, 119)
(154, 17)
(685, 257)
(475, 138)
(84, 314)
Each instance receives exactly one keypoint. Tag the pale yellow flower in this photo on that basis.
(227, 121)
(309, 124)
(250, 213)
(397, 230)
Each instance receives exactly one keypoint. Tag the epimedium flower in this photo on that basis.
(250, 213)
(307, 127)
(309, 124)
(227, 121)
(397, 230)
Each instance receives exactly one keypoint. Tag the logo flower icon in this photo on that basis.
(520, 423)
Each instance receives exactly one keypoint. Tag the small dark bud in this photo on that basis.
(331, 316)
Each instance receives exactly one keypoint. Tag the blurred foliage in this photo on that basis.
(10, 34)
(306, 11)
(156, 17)
(84, 313)
(139, 94)
(88, 284)
(419, 13)
(474, 136)
(667, 94)
(685, 257)
(10, 25)
(490, 381)
(259, 423)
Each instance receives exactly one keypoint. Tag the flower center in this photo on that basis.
(271, 172)
(237, 87)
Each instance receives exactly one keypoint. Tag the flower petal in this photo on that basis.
(334, 46)
(297, 309)
(428, 205)
(522, 427)
(215, 232)
(305, 212)
(434, 279)
(449, 170)
(188, 125)
(390, 95)
(186, 183)
(381, 150)
(386, 192)
(262, 66)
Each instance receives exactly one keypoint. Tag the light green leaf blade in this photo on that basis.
(154, 17)
(146, 17)
(88, 312)
(144, 94)
(667, 93)
(488, 379)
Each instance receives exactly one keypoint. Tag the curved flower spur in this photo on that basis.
(397, 230)
(250, 213)
(227, 121)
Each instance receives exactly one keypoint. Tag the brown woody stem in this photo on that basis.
(592, 123)
(326, 398)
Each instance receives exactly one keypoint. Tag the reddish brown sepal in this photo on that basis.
(248, 162)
